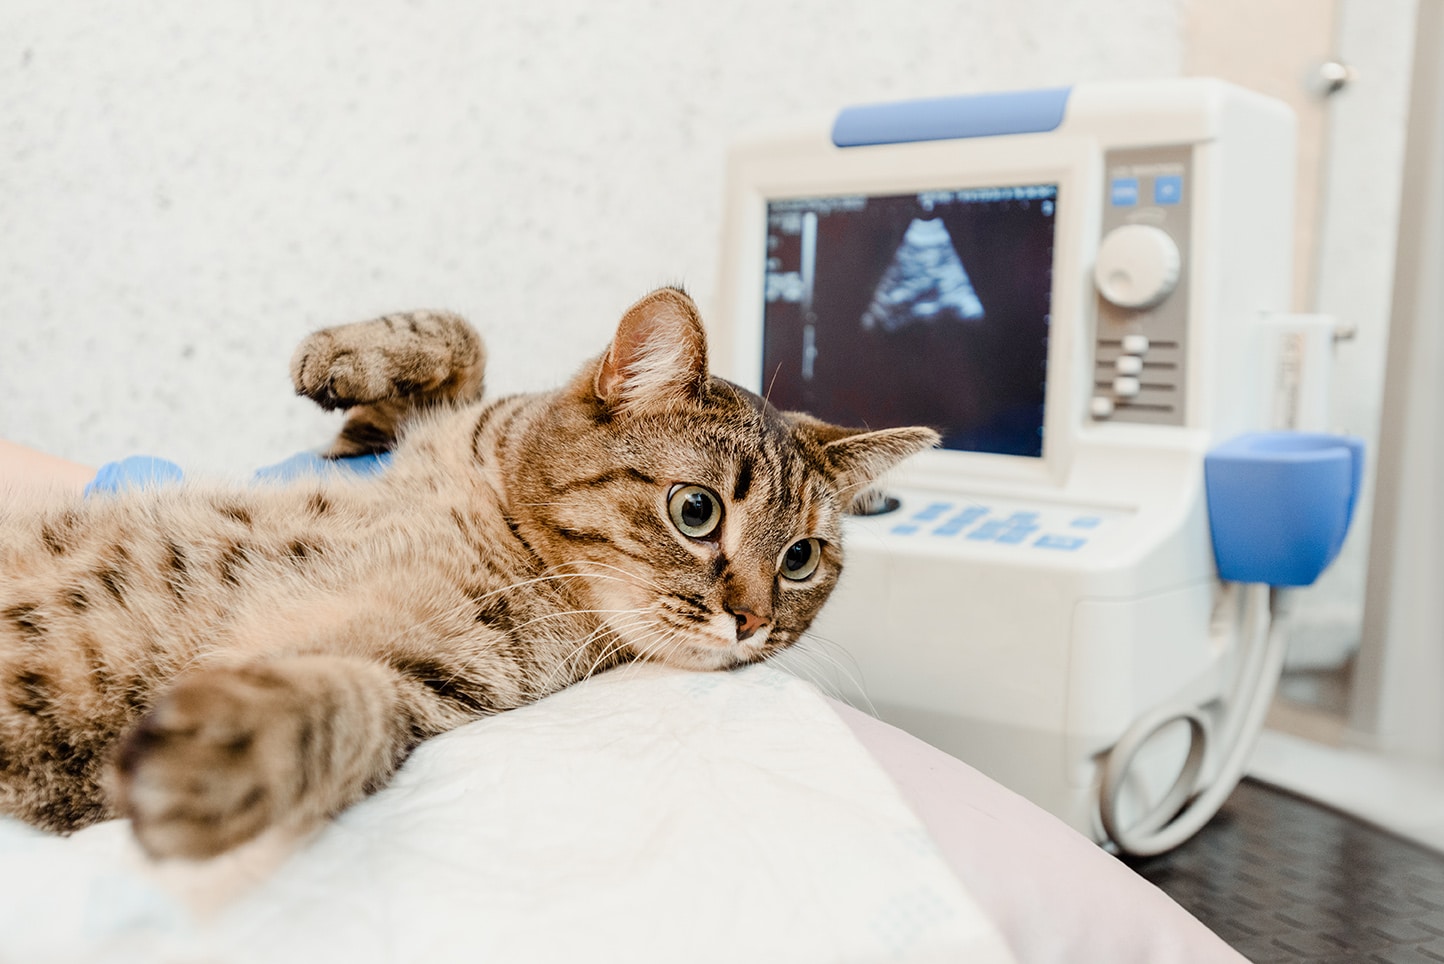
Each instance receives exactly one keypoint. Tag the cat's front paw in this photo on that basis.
(209, 767)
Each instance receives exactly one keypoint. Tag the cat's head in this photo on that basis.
(704, 525)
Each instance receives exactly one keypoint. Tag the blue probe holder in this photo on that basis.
(1280, 504)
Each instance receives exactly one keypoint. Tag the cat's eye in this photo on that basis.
(695, 511)
(801, 559)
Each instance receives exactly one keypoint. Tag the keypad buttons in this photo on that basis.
(1022, 527)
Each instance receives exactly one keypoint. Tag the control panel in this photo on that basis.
(1141, 277)
(1049, 527)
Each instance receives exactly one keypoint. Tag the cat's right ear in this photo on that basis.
(658, 356)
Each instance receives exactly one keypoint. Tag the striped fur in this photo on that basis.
(211, 662)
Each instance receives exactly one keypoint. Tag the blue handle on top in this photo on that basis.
(1280, 504)
(948, 118)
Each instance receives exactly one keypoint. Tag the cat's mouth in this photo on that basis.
(711, 645)
(680, 632)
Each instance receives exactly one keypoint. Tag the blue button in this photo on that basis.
(1018, 535)
(1168, 189)
(1124, 192)
(1068, 543)
(988, 531)
(933, 511)
(1023, 518)
(961, 521)
(904, 529)
(1086, 522)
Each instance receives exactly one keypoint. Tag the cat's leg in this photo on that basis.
(384, 370)
(231, 751)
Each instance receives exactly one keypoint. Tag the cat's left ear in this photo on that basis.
(860, 460)
(658, 356)
(857, 458)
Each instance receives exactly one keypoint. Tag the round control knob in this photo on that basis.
(1137, 266)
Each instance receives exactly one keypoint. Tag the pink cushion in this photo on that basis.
(1055, 895)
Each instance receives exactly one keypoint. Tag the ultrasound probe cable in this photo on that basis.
(1186, 807)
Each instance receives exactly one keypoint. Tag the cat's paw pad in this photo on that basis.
(204, 771)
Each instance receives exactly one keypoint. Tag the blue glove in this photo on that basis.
(134, 472)
(306, 463)
(142, 471)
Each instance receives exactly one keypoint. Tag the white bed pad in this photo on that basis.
(646, 815)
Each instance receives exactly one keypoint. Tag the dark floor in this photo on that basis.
(1285, 880)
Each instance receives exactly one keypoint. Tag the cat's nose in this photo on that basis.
(748, 622)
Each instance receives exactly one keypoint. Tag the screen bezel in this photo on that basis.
(811, 167)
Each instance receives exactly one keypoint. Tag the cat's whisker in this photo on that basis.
(632, 630)
(767, 395)
(799, 663)
(552, 577)
(667, 641)
(824, 657)
(613, 648)
(620, 642)
(642, 640)
(804, 666)
(569, 613)
(602, 628)
(629, 577)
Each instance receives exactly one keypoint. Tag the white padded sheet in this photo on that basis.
(646, 815)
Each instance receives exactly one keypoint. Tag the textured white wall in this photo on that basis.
(186, 188)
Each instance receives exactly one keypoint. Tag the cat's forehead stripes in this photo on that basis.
(743, 483)
(779, 495)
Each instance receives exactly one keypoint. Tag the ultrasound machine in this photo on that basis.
(1082, 290)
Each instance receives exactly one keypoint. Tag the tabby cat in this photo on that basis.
(214, 661)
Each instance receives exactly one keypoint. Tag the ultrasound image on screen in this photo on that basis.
(918, 309)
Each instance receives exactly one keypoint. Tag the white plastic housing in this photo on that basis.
(1029, 659)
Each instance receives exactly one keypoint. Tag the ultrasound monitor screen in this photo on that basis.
(917, 309)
